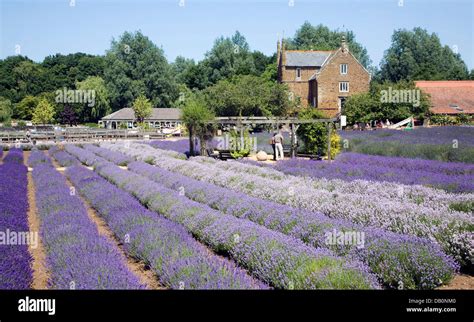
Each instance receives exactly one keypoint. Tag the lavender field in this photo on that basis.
(447, 143)
(359, 222)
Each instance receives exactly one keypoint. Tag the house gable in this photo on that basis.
(330, 91)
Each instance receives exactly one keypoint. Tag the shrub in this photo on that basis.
(241, 147)
(314, 135)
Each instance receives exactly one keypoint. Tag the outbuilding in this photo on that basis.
(166, 119)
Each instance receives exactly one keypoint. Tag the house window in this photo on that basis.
(343, 69)
(343, 87)
(298, 73)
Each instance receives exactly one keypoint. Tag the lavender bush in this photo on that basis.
(112, 156)
(63, 158)
(147, 153)
(38, 157)
(76, 255)
(85, 156)
(178, 260)
(14, 156)
(15, 270)
(181, 145)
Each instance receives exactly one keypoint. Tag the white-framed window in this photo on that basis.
(343, 87)
(343, 69)
(298, 73)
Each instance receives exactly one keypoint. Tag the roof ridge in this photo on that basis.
(310, 50)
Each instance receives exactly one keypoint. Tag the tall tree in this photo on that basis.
(309, 37)
(142, 108)
(43, 113)
(134, 65)
(418, 55)
(229, 57)
(8, 80)
(261, 62)
(29, 77)
(24, 109)
(196, 116)
(66, 70)
(181, 67)
(68, 115)
(101, 105)
(248, 95)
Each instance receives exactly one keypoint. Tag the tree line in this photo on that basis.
(232, 79)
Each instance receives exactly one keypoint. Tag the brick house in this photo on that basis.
(322, 79)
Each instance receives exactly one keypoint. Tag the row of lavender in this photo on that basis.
(77, 256)
(277, 259)
(413, 262)
(413, 210)
(15, 259)
(450, 176)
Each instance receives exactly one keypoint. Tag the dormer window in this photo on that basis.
(343, 69)
(298, 73)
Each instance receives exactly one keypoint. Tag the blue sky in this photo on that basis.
(46, 27)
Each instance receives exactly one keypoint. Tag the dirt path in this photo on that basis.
(146, 276)
(38, 264)
(460, 282)
(3, 156)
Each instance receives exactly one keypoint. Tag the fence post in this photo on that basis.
(292, 138)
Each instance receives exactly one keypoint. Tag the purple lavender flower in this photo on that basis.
(63, 158)
(112, 156)
(15, 269)
(38, 157)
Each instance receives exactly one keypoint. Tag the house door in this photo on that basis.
(341, 103)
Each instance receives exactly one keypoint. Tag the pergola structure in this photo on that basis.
(292, 122)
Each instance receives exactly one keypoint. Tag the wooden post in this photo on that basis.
(292, 143)
(329, 140)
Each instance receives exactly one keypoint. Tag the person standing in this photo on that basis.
(279, 146)
(272, 142)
